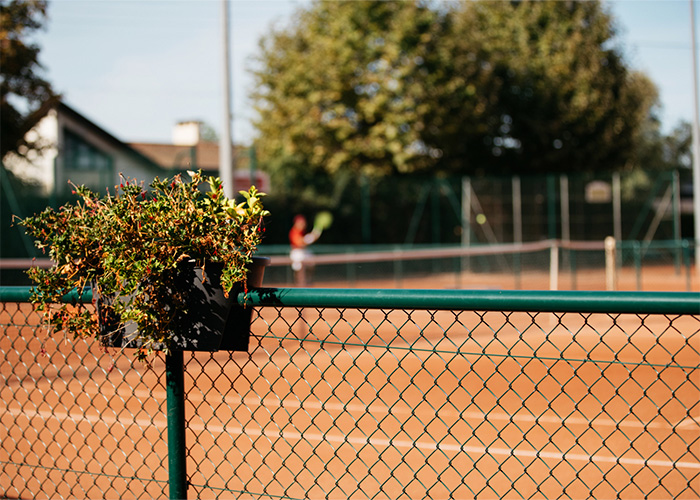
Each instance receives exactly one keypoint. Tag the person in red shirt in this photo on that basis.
(299, 240)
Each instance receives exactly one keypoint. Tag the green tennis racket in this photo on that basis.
(322, 221)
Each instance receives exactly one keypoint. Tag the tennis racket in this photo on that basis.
(322, 221)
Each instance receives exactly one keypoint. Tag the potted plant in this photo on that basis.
(164, 264)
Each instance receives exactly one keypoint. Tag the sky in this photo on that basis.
(137, 67)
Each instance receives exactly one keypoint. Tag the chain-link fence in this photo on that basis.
(372, 394)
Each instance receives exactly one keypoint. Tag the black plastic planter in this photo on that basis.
(211, 322)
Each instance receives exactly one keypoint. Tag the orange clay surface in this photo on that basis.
(371, 404)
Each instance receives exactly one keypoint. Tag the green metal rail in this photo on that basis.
(478, 300)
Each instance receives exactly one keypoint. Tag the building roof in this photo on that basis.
(204, 155)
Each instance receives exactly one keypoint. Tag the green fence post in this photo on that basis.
(686, 262)
(366, 207)
(435, 215)
(175, 382)
(675, 212)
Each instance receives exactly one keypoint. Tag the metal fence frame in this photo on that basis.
(640, 303)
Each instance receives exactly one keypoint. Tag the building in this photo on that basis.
(76, 149)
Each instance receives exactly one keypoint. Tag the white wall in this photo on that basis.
(38, 166)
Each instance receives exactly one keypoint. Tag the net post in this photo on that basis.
(554, 265)
(610, 266)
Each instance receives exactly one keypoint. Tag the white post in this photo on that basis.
(466, 218)
(466, 211)
(610, 268)
(554, 265)
(565, 217)
(696, 144)
(225, 142)
(517, 228)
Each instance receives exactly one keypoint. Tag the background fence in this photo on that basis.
(372, 394)
(468, 211)
(542, 265)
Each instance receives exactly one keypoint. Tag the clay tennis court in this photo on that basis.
(347, 403)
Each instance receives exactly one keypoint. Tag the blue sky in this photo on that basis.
(136, 67)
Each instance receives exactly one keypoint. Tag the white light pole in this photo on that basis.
(696, 145)
(225, 141)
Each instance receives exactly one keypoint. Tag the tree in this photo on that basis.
(566, 101)
(346, 88)
(416, 87)
(678, 147)
(22, 89)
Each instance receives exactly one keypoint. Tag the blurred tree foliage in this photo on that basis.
(349, 88)
(677, 148)
(565, 100)
(393, 88)
(22, 89)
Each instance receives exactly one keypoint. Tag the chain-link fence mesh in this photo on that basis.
(75, 424)
(369, 402)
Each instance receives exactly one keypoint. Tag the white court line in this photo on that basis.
(688, 423)
(77, 418)
(454, 448)
(475, 415)
(372, 441)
